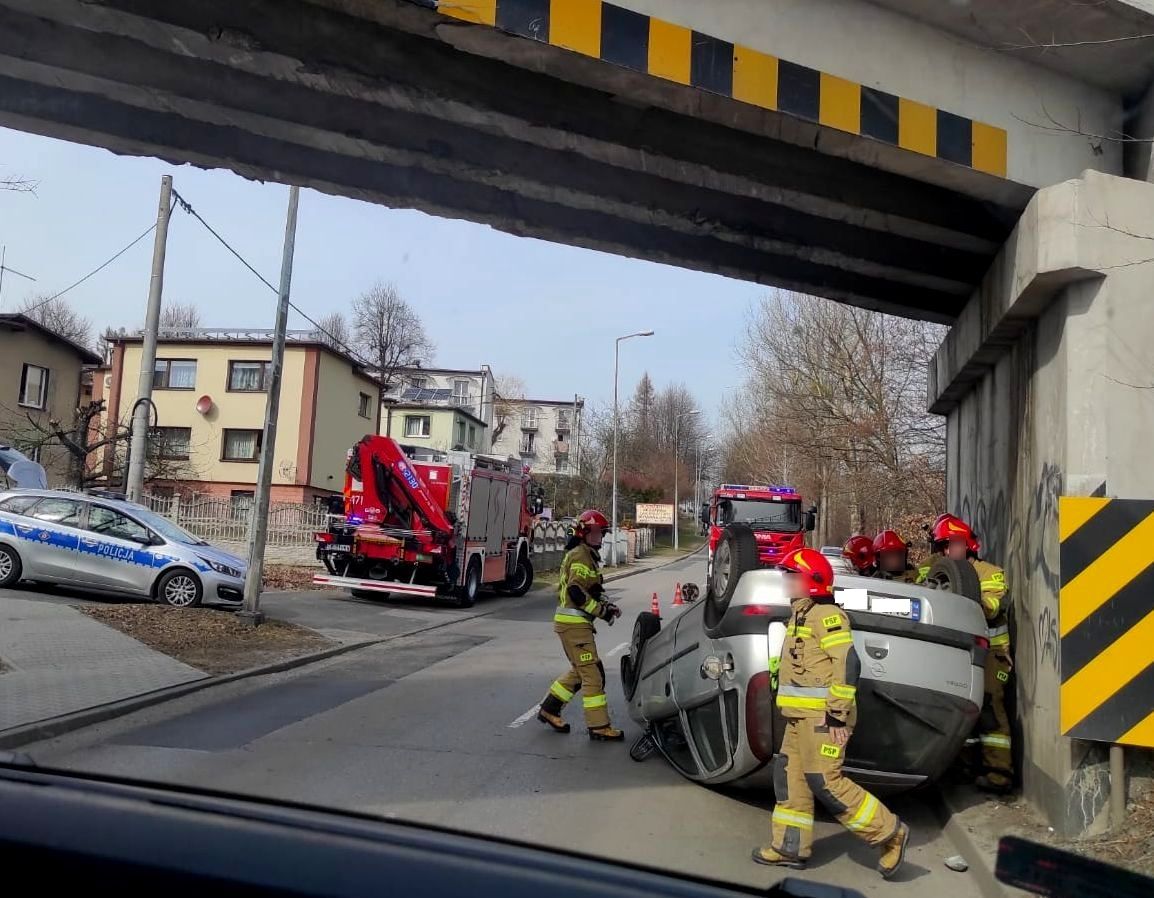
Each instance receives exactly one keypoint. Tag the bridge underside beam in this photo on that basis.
(388, 110)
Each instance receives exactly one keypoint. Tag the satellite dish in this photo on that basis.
(27, 475)
(204, 404)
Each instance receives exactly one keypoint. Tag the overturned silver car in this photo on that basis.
(699, 685)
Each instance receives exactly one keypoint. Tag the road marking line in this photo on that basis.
(524, 718)
(617, 650)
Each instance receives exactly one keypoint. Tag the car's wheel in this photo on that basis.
(467, 592)
(645, 628)
(522, 580)
(180, 589)
(628, 677)
(958, 577)
(735, 554)
(10, 566)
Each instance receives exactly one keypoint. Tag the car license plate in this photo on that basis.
(335, 547)
(861, 600)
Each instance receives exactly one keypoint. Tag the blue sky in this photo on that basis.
(545, 312)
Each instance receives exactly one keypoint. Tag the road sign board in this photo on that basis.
(660, 515)
(1106, 619)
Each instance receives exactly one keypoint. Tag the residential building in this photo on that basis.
(472, 391)
(209, 390)
(437, 428)
(545, 433)
(40, 381)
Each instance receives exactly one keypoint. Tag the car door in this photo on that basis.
(115, 551)
(699, 695)
(51, 535)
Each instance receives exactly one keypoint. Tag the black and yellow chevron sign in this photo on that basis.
(1106, 619)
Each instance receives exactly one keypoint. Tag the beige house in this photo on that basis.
(210, 390)
(40, 374)
(545, 433)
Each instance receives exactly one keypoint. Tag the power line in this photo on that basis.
(187, 207)
(97, 270)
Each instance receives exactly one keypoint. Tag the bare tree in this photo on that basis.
(335, 327)
(510, 396)
(389, 331)
(180, 316)
(58, 316)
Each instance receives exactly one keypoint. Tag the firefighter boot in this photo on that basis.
(771, 857)
(554, 721)
(606, 733)
(894, 852)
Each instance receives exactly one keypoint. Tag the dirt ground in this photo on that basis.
(210, 640)
(290, 576)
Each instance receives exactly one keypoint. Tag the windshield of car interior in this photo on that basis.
(760, 514)
(166, 528)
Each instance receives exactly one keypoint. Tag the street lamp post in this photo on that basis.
(676, 465)
(697, 495)
(613, 510)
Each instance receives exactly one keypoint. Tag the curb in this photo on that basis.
(980, 870)
(66, 723)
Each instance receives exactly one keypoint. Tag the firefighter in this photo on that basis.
(893, 558)
(953, 538)
(579, 603)
(818, 674)
(859, 552)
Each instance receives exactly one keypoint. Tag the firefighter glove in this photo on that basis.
(610, 612)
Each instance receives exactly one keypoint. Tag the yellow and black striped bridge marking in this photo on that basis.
(1106, 619)
(651, 45)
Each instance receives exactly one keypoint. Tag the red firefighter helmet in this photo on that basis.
(889, 541)
(948, 527)
(591, 517)
(814, 568)
(859, 551)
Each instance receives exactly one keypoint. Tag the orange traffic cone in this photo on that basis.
(655, 606)
(677, 600)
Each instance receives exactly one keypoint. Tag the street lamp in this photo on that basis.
(676, 464)
(697, 471)
(613, 510)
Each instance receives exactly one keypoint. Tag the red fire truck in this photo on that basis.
(773, 513)
(425, 528)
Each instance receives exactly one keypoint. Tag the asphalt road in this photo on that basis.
(437, 727)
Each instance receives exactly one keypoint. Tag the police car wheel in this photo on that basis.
(10, 566)
(179, 589)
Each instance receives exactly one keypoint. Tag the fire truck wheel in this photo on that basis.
(522, 580)
(467, 593)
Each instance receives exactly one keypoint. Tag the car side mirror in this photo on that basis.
(811, 518)
(151, 540)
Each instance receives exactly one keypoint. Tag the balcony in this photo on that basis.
(561, 447)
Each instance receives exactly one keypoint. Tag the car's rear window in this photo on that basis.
(18, 504)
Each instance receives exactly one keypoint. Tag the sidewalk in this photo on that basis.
(648, 563)
(58, 660)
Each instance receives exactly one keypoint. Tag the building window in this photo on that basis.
(34, 387)
(564, 419)
(174, 374)
(418, 425)
(248, 377)
(562, 464)
(461, 392)
(472, 436)
(529, 418)
(528, 443)
(241, 445)
(460, 433)
(172, 442)
(418, 383)
(240, 504)
(364, 405)
(31, 452)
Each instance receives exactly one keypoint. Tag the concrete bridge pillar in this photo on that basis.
(1047, 385)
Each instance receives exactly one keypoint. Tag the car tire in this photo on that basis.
(10, 566)
(736, 553)
(958, 577)
(628, 677)
(179, 588)
(467, 592)
(522, 580)
(645, 628)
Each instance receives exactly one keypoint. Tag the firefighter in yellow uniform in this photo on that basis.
(818, 674)
(953, 538)
(579, 603)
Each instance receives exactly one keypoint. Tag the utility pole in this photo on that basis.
(677, 464)
(3, 268)
(258, 526)
(138, 445)
(613, 510)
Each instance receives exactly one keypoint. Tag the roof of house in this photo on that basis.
(422, 407)
(479, 372)
(16, 321)
(304, 339)
(561, 403)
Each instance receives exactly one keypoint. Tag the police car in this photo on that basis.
(101, 542)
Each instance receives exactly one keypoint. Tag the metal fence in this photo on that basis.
(549, 538)
(290, 525)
